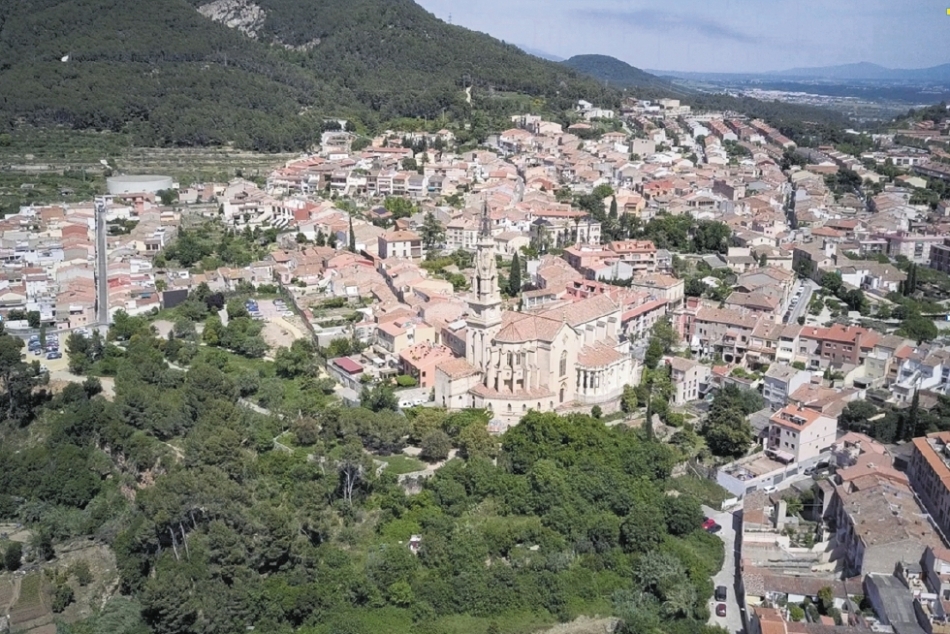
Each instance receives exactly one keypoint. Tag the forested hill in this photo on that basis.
(614, 71)
(174, 76)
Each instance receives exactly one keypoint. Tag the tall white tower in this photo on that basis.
(485, 306)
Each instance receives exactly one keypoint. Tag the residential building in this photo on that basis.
(797, 434)
(879, 523)
(400, 244)
(929, 473)
(689, 379)
(781, 381)
(420, 361)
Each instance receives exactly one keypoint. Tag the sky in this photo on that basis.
(718, 35)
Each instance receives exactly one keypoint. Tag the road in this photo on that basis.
(102, 272)
(801, 308)
(727, 576)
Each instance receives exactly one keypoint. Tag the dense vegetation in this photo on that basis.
(172, 77)
(618, 73)
(222, 517)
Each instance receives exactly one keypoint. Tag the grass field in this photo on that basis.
(401, 463)
(31, 604)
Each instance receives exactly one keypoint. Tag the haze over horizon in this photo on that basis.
(728, 36)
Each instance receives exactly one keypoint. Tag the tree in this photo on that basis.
(380, 397)
(831, 281)
(351, 246)
(915, 426)
(475, 440)
(436, 446)
(628, 401)
(432, 232)
(918, 328)
(596, 411)
(855, 415)
(62, 596)
(42, 544)
(33, 318)
(13, 556)
(514, 279)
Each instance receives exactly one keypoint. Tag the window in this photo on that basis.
(564, 364)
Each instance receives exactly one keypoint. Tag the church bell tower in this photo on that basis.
(485, 307)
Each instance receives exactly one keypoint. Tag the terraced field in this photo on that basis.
(51, 164)
(31, 609)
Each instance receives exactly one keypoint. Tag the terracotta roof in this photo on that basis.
(457, 368)
(524, 327)
(598, 355)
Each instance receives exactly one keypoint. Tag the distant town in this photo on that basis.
(589, 268)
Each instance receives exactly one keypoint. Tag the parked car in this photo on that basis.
(710, 525)
(770, 489)
(38, 351)
(720, 593)
(54, 355)
(721, 609)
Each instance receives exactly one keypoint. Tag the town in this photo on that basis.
(773, 312)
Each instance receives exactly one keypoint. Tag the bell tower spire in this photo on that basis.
(487, 301)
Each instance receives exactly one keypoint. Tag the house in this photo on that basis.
(781, 381)
(400, 244)
(689, 379)
(346, 372)
(797, 434)
(420, 361)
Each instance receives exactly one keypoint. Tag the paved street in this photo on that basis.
(802, 307)
(727, 576)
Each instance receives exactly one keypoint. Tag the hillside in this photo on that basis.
(614, 71)
(173, 76)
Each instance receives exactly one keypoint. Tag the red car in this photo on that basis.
(721, 609)
(710, 525)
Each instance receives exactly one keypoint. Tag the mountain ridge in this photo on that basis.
(860, 71)
(174, 76)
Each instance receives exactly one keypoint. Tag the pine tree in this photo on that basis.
(613, 207)
(321, 240)
(352, 246)
(514, 280)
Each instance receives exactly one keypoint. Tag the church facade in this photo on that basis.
(567, 356)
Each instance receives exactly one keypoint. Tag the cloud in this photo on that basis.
(663, 22)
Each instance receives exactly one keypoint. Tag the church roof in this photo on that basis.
(584, 311)
(599, 354)
(522, 327)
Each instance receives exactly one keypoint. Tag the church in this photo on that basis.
(565, 357)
